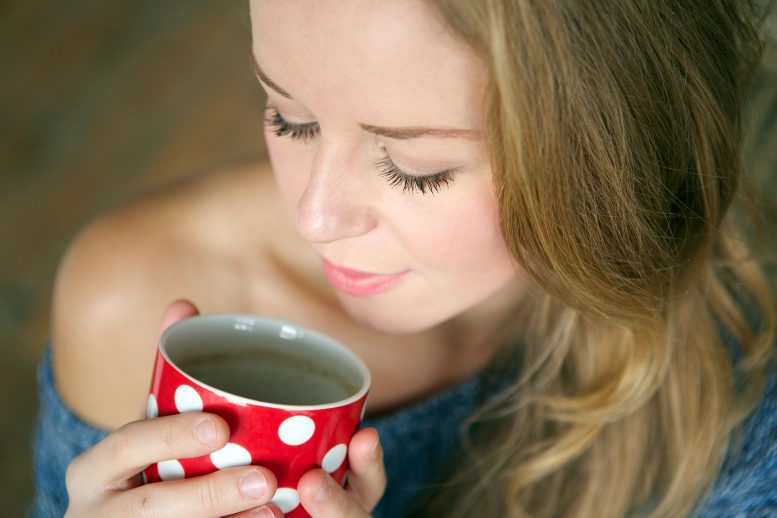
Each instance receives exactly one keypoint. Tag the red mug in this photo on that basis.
(292, 397)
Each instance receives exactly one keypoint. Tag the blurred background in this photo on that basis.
(99, 102)
(103, 100)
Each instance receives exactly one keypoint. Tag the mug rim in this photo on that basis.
(245, 401)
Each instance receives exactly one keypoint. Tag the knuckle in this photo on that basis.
(376, 469)
(140, 505)
(122, 446)
(169, 437)
(377, 474)
(211, 495)
(341, 505)
(368, 489)
(381, 474)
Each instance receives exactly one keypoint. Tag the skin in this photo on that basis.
(387, 64)
(343, 207)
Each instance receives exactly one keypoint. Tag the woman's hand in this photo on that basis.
(105, 480)
(322, 497)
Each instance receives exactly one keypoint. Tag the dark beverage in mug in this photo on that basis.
(271, 376)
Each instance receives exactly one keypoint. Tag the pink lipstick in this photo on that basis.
(360, 284)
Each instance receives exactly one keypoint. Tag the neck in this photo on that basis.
(477, 334)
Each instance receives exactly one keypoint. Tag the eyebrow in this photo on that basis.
(400, 133)
(269, 82)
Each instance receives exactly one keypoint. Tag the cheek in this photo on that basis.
(464, 238)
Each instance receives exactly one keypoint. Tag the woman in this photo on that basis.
(517, 213)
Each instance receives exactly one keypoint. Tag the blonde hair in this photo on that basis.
(614, 130)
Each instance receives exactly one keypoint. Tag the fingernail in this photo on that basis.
(373, 455)
(262, 512)
(323, 490)
(205, 431)
(254, 485)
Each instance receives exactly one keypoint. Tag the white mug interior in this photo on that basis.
(236, 334)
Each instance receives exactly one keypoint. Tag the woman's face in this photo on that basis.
(375, 132)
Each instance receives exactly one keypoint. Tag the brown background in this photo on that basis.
(102, 100)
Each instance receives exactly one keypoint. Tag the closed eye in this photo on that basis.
(387, 168)
(282, 128)
(413, 183)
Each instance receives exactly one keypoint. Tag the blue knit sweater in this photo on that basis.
(417, 440)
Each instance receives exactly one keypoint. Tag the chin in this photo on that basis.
(390, 322)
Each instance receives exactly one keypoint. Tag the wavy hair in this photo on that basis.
(614, 130)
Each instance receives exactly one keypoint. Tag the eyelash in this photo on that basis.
(302, 132)
(387, 168)
(412, 183)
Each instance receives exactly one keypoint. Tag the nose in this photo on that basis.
(335, 202)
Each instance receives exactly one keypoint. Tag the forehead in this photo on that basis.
(379, 55)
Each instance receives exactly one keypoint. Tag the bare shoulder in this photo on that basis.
(122, 270)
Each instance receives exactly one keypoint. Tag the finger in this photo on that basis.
(134, 446)
(323, 497)
(265, 511)
(177, 310)
(367, 478)
(218, 494)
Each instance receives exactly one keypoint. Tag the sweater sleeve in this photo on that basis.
(59, 437)
(747, 485)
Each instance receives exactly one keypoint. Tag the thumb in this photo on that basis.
(176, 311)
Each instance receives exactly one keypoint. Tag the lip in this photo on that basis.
(358, 283)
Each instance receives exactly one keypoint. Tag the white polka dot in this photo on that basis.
(296, 430)
(152, 410)
(230, 456)
(170, 470)
(334, 458)
(286, 498)
(187, 399)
